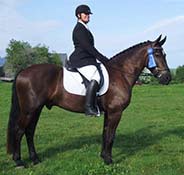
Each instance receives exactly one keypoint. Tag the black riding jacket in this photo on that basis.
(85, 53)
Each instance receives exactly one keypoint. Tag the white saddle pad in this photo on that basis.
(72, 82)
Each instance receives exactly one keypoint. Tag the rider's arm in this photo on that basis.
(82, 37)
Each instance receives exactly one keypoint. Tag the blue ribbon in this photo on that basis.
(151, 59)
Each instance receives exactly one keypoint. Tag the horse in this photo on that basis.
(42, 85)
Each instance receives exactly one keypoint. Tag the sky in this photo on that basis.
(116, 25)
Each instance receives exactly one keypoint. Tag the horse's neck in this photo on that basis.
(131, 66)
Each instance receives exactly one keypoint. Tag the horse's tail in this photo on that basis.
(14, 113)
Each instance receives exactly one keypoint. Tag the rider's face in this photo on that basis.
(84, 17)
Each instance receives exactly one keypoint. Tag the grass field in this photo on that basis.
(149, 139)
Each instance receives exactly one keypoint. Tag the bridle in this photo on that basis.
(156, 71)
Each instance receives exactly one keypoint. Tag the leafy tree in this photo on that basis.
(54, 58)
(173, 75)
(40, 54)
(1, 72)
(180, 74)
(8, 69)
(21, 54)
(145, 77)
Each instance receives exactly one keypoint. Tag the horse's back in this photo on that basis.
(38, 71)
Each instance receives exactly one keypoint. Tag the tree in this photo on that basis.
(173, 75)
(21, 55)
(40, 54)
(145, 76)
(180, 74)
(1, 72)
(54, 58)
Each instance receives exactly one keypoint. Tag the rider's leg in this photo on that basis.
(92, 74)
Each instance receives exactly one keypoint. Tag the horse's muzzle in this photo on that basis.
(164, 77)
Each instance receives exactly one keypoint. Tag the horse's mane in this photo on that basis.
(126, 51)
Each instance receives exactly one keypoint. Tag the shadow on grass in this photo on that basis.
(128, 144)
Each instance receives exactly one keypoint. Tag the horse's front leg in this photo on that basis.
(111, 121)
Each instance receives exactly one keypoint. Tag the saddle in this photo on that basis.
(75, 83)
(85, 80)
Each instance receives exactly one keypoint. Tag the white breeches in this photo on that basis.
(90, 72)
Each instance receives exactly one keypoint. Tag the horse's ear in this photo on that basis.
(162, 41)
(158, 39)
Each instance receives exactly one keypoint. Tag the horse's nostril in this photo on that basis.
(165, 78)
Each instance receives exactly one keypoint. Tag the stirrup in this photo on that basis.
(90, 111)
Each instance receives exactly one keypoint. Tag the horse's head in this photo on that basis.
(157, 63)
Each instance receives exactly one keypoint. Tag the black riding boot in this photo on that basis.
(90, 104)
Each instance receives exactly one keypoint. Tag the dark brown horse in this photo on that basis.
(42, 85)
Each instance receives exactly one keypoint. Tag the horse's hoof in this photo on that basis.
(36, 161)
(20, 164)
(108, 161)
(102, 155)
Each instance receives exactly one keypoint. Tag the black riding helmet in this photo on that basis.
(82, 9)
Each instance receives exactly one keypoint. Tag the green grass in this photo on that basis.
(149, 139)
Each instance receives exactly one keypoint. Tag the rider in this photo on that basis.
(85, 57)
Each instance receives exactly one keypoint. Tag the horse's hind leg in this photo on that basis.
(29, 132)
(19, 132)
(17, 152)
